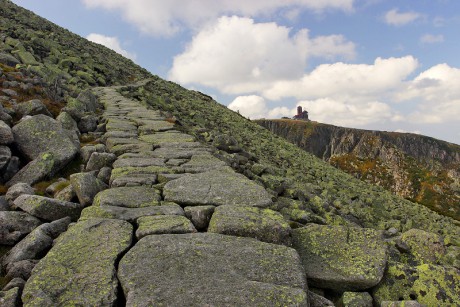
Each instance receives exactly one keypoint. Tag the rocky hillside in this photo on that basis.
(416, 167)
(122, 189)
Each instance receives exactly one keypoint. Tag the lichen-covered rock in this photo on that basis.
(66, 194)
(6, 135)
(166, 137)
(355, 299)
(128, 197)
(262, 224)
(88, 123)
(341, 258)
(163, 224)
(86, 186)
(217, 187)
(129, 214)
(199, 215)
(8, 59)
(400, 304)
(18, 189)
(317, 300)
(426, 247)
(430, 285)
(5, 156)
(43, 167)
(10, 298)
(15, 225)
(32, 107)
(36, 243)
(39, 134)
(98, 160)
(27, 58)
(67, 121)
(21, 269)
(211, 270)
(72, 273)
(48, 209)
(202, 163)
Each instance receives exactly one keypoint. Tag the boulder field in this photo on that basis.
(158, 218)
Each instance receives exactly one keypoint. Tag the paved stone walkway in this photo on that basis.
(164, 186)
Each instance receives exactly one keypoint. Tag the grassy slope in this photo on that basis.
(330, 192)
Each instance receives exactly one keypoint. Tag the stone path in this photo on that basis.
(136, 245)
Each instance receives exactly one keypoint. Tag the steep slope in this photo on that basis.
(419, 168)
(177, 200)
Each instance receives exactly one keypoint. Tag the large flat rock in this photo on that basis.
(128, 197)
(129, 214)
(262, 224)
(48, 209)
(341, 258)
(217, 187)
(80, 269)
(41, 133)
(211, 270)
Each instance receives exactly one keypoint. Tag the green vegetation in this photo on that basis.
(334, 196)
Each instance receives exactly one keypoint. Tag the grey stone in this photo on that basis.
(18, 189)
(129, 214)
(11, 169)
(10, 298)
(32, 107)
(87, 123)
(88, 150)
(43, 167)
(128, 197)
(104, 174)
(206, 269)
(6, 135)
(99, 160)
(5, 156)
(15, 225)
(226, 143)
(163, 224)
(86, 186)
(134, 181)
(48, 209)
(39, 134)
(199, 215)
(8, 59)
(15, 283)
(217, 187)
(21, 269)
(72, 273)
(10, 92)
(202, 163)
(67, 121)
(164, 137)
(180, 151)
(89, 100)
(4, 206)
(66, 194)
(341, 258)
(6, 117)
(139, 162)
(317, 300)
(404, 303)
(262, 224)
(57, 186)
(353, 299)
(36, 243)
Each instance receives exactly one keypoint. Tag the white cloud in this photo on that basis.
(249, 106)
(165, 18)
(395, 18)
(112, 43)
(237, 55)
(341, 80)
(432, 39)
(254, 107)
(347, 113)
(437, 91)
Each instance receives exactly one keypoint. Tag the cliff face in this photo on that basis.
(415, 167)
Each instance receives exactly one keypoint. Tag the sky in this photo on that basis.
(370, 64)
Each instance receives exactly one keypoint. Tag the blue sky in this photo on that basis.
(371, 64)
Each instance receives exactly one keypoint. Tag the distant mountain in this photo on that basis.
(416, 167)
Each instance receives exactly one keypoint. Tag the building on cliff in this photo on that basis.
(301, 115)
